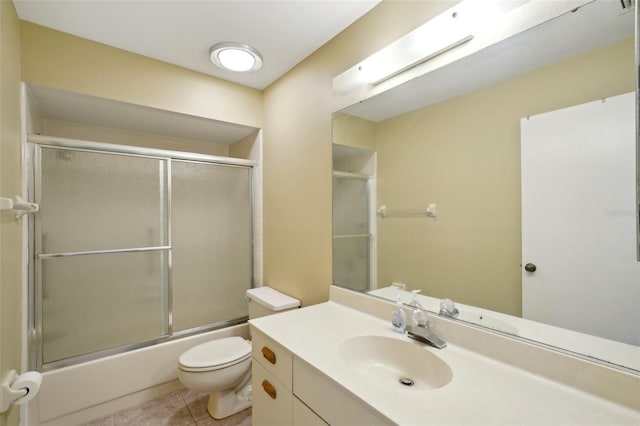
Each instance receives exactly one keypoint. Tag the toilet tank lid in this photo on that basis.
(272, 298)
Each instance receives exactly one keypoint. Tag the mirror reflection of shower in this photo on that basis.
(353, 218)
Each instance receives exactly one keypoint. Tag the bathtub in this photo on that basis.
(87, 391)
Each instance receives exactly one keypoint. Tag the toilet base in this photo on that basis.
(226, 403)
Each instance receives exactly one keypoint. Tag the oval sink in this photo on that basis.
(385, 361)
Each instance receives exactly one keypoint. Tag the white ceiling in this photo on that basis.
(181, 32)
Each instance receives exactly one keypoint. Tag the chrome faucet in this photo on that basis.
(418, 327)
(448, 309)
(424, 334)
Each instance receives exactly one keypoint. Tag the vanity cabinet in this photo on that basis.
(271, 375)
(272, 400)
(303, 416)
(329, 400)
(288, 391)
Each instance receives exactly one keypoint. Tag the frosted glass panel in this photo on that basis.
(212, 247)
(98, 201)
(351, 262)
(96, 302)
(350, 206)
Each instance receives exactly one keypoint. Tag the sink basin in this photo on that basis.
(394, 363)
(488, 321)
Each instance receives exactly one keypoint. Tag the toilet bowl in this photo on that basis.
(222, 367)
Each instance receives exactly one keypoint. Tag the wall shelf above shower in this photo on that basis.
(349, 161)
(59, 113)
(348, 175)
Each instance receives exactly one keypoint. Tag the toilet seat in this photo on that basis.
(215, 355)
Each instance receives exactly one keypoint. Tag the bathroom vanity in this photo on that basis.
(340, 363)
(287, 391)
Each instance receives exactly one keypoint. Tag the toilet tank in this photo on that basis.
(266, 301)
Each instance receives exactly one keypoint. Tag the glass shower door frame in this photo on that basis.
(39, 256)
(35, 289)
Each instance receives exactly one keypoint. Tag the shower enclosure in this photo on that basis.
(132, 247)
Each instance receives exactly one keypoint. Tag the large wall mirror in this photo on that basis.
(506, 182)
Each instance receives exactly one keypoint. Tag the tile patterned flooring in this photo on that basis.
(180, 408)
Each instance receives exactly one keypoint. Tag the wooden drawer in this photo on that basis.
(272, 401)
(272, 356)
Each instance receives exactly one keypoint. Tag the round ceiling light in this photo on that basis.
(235, 57)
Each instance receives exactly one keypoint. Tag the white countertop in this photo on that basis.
(618, 353)
(482, 391)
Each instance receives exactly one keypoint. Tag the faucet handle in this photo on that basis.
(419, 318)
(448, 308)
(414, 301)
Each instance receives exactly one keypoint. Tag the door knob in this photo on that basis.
(530, 267)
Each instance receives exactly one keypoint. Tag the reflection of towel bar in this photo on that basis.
(20, 205)
(430, 211)
(336, 237)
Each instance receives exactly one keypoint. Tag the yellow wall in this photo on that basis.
(50, 58)
(87, 132)
(55, 59)
(10, 242)
(464, 154)
(297, 149)
(354, 131)
(295, 113)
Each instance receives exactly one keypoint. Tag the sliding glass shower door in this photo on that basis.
(131, 249)
(212, 242)
(102, 250)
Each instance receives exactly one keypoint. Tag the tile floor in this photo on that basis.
(180, 408)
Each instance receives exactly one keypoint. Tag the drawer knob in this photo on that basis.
(269, 355)
(269, 389)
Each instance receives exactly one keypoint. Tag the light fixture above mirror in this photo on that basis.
(460, 32)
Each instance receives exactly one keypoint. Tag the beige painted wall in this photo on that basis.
(50, 58)
(67, 129)
(464, 154)
(295, 113)
(354, 131)
(246, 148)
(297, 149)
(59, 60)
(10, 244)
(297, 122)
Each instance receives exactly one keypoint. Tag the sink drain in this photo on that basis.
(406, 381)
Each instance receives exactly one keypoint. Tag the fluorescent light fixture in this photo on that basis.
(236, 57)
(436, 36)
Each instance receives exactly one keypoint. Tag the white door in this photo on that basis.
(578, 219)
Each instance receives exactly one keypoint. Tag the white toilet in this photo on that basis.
(223, 366)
